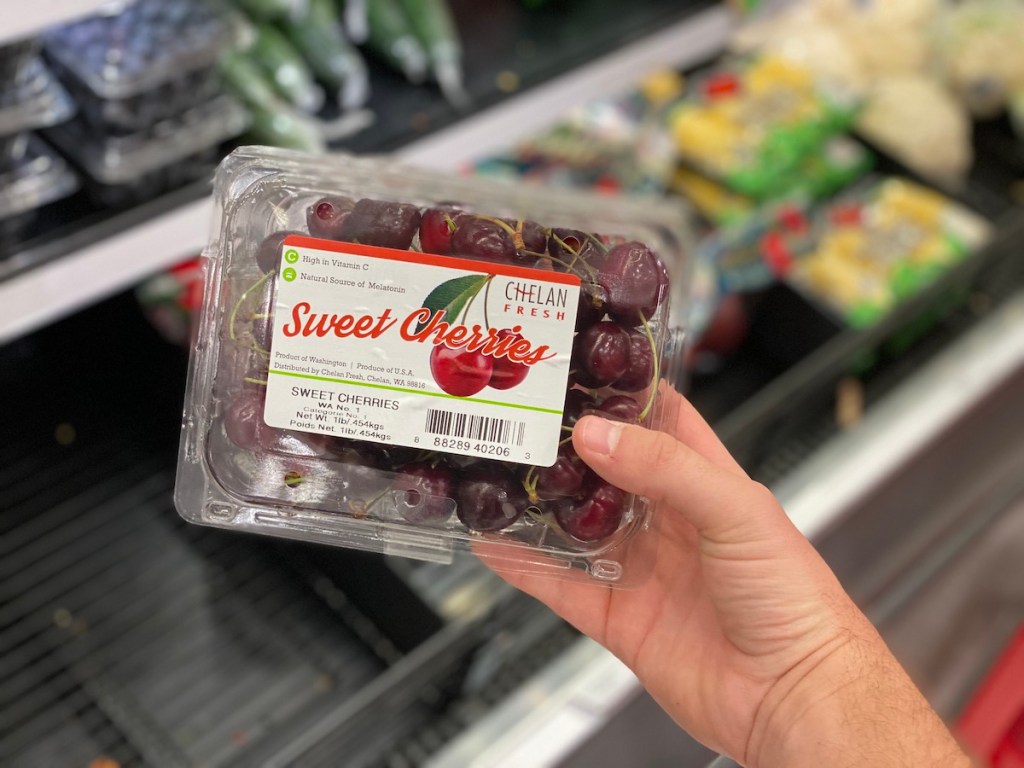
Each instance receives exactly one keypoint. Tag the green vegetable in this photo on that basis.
(392, 38)
(266, 10)
(356, 25)
(289, 72)
(273, 120)
(318, 36)
(433, 23)
(286, 128)
(245, 79)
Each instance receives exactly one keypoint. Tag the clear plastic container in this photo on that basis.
(35, 100)
(38, 178)
(118, 160)
(12, 150)
(749, 124)
(879, 244)
(15, 60)
(329, 401)
(136, 48)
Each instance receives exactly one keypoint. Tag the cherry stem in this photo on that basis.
(487, 294)
(241, 299)
(536, 514)
(564, 441)
(654, 378)
(251, 380)
(597, 242)
(577, 254)
(530, 485)
(450, 223)
(504, 225)
(368, 505)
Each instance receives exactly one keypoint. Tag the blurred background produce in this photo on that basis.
(856, 174)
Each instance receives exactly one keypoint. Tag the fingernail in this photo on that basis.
(600, 435)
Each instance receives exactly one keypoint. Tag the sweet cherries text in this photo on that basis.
(304, 322)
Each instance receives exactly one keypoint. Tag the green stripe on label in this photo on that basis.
(295, 375)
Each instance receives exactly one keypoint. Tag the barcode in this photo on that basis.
(485, 428)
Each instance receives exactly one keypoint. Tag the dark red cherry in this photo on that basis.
(436, 228)
(619, 408)
(490, 498)
(563, 478)
(634, 281)
(380, 222)
(424, 492)
(640, 369)
(268, 255)
(481, 238)
(326, 217)
(600, 354)
(577, 401)
(594, 517)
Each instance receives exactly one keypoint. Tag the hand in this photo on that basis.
(741, 632)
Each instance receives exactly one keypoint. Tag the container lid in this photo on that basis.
(41, 177)
(123, 159)
(132, 48)
(37, 101)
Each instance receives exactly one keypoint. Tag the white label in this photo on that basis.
(411, 349)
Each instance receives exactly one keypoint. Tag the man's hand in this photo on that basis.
(741, 632)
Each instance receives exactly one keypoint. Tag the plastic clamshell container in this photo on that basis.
(750, 123)
(12, 150)
(880, 243)
(38, 178)
(137, 47)
(307, 482)
(35, 100)
(111, 159)
(15, 60)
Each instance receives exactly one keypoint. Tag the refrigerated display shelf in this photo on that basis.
(23, 20)
(558, 56)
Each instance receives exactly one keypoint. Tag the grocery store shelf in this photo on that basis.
(107, 264)
(26, 19)
(573, 698)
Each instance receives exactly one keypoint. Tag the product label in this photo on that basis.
(411, 349)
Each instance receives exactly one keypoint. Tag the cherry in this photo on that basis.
(268, 255)
(396, 456)
(506, 374)
(380, 222)
(326, 217)
(460, 372)
(591, 305)
(436, 228)
(425, 492)
(577, 401)
(578, 246)
(245, 427)
(533, 238)
(564, 477)
(482, 239)
(640, 370)
(600, 354)
(634, 280)
(490, 498)
(596, 516)
(619, 408)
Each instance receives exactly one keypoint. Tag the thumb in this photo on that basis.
(723, 506)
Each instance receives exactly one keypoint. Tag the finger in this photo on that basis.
(721, 505)
(689, 427)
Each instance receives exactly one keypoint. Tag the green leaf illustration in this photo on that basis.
(451, 296)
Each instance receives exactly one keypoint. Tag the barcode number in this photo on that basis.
(485, 428)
